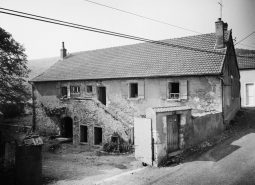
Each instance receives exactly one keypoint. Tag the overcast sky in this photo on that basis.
(43, 40)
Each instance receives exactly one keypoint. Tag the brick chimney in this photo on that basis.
(220, 28)
(63, 51)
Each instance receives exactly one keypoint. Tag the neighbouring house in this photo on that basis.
(246, 65)
(196, 78)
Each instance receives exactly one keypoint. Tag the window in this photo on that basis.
(75, 89)
(133, 93)
(174, 90)
(64, 92)
(89, 88)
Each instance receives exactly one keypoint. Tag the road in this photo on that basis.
(232, 162)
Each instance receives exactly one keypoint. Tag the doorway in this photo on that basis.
(250, 98)
(101, 93)
(173, 133)
(67, 127)
(83, 134)
(98, 136)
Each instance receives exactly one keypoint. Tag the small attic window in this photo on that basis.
(133, 91)
(75, 89)
(89, 88)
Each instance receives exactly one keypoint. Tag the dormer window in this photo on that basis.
(75, 89)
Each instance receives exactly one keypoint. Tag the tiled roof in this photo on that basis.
(246, 61)
(140, 60)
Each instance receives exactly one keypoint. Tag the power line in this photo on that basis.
(245, 38)
(141, 16)
(58, 22)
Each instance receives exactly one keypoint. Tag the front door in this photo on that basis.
(101, 93)
(250, 94)
(172, 133)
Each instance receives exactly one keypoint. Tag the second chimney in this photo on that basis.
(220, 27)
(63, 51)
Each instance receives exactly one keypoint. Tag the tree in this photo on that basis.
(13, 71)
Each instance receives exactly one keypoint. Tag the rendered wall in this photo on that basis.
(247, 76)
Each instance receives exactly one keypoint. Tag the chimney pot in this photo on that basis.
(63, 51)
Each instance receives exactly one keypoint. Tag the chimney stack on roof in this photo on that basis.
(63, 51)
(220, 28)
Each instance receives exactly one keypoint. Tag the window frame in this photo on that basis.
(75, 86)
(88, 87)
(170, 93)
(130, 86)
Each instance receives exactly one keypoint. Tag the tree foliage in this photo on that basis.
(13, 70)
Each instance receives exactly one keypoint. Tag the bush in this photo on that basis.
(117, 147)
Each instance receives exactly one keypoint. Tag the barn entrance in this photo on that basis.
(67, 127)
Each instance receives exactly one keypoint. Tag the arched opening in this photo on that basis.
(67, 127)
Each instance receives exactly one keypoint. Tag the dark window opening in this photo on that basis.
(133, 90)
(75, 89)
(98, 136)
(64, 92)
(174, 90)
(84, 133)
(114, 139)
(67, 127)
(89, 88)
(101, 92)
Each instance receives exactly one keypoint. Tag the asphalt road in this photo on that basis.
(232, 162)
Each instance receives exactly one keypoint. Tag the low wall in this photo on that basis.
(202, 128)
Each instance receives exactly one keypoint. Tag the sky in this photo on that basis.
(43, 40)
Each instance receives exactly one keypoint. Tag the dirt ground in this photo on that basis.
(64, 163)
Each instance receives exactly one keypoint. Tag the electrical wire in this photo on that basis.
(58, 22)
(245, 38)
(141, 16)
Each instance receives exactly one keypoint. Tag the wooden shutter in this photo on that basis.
(141, 89)
(58, 90)
(184, 89)
(162, 89)
(94, 89)
(124, 89)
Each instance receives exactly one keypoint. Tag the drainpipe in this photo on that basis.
(222, 95)
(33, 107)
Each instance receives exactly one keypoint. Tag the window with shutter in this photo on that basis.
(183, 89)
(173, 90)
(124, 89)
(163, 89)
(141, 91)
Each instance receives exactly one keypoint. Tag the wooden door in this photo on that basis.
(172, 133)
(250, 94)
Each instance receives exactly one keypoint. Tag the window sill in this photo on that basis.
(173, 99)
(133, 98)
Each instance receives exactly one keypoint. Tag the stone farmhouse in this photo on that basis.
(246, 65)
(103, 90)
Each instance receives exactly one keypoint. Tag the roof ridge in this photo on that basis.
(142, 42)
